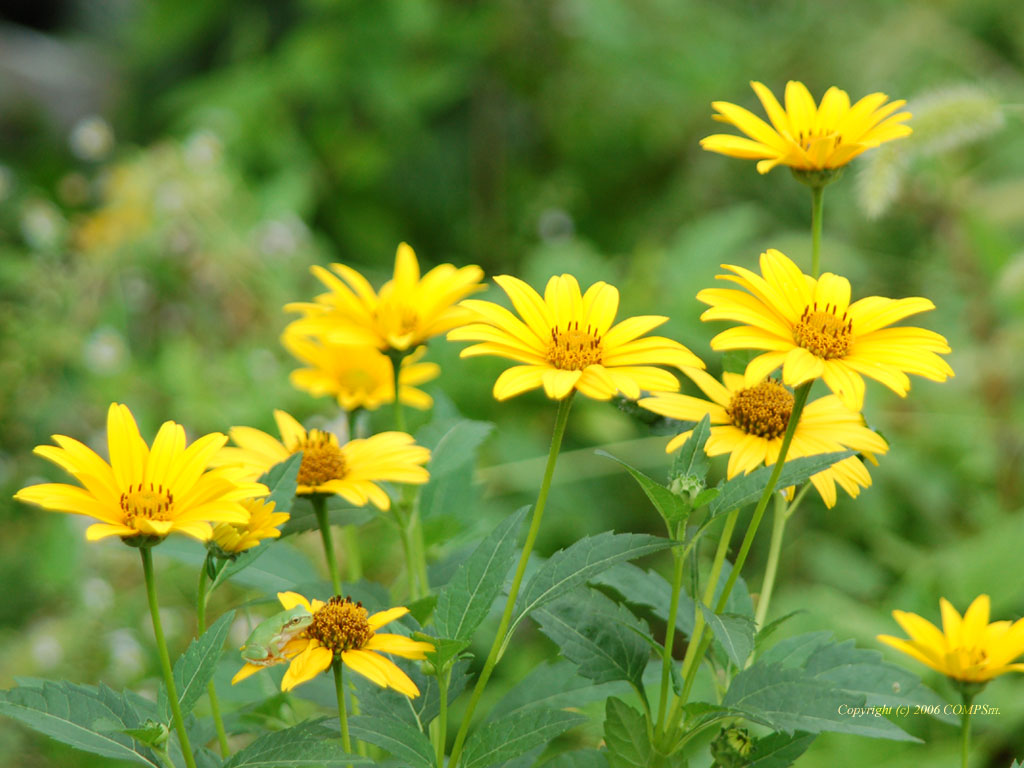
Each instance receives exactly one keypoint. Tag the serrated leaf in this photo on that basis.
(554, 685)
(464, 602)
(195, 668)
(403, 741)
(279, 568)
(569, 568)
(307, 744)
(671, 507)
(506, 738)
(602, 638)
(452, 461)
(691, 460)
(282, 480)
(746, 489)
(769, 629)
(580, 758)
(445, 650)
(456, 447)
(734, 633)
(625, 733)
(779, 750)
(86, 718)
(650, 589)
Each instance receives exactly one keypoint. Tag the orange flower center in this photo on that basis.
(763, 410)
(322, 459)
(823, 333)
(152, 503)
(573, 349)
(340, 625)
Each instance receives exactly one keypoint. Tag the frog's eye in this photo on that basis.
(293, 622)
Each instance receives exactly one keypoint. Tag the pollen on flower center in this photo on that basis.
(340, 625)
(321, 459)
(153, 502)
(573, 349)
(823, 333)
(763, 410)
(808, 139)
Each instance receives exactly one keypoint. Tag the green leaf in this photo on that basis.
(779, 750)
(625, 733)
(281, 566)
(810, 683)
(554, 685)
(308, 744)
(569, 568)
(452, 463)
(339, 512)
(151, 734)
(405, 742)
(769, 629)
(445, 650)
(649, 589)
(733, 632)
(670, 506)
(464, 602)
(580, 758)
(691, 461)
(195, 668)
(501, 740)
(282, 480)
(600, 636)
(86, 718)
(746, 489)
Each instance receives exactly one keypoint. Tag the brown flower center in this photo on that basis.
(340, 625)
(823, 333)
(763, 410)
(322, 459)
(151, 502)
(573, 349)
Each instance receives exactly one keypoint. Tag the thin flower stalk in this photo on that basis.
(781, 514)
(319, 502)
(202, 598)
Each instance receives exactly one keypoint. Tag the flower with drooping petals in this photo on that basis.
(968, 648)
(804, 136)
(342, 629)
(264, 523)
(566, 341)
(145, 493)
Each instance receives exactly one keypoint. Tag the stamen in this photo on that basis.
(321, 459)
(573, 349)
(763, 410)
(152, 502)
(823, 333)
(341, 625)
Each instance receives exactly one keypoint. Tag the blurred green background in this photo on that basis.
(169, 170)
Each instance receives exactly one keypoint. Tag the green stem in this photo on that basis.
(782, 513)
(817, 214)
(965, 730)
(667, 656)
(202, 596)
(561, 419)
(320, 509)
(165, 659)
(396, 365)
(339, 689)
(405, 534)
(442, 717)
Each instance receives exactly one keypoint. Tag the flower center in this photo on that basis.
(151, 502)
(573, 349)
(321, 459)
(341, 625)
(809, 140)
(823, 333)
(763, 410)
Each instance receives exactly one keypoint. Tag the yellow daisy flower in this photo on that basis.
(351, 470)
(144, 492)
(567, 342)
(407, 312)
(748, 423)
(968, 648)
(804, 136)
(359, 376)
(811, 329)
(344, 630)
(231, 538)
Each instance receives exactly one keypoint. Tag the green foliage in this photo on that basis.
(672, 507)
(581, 758)
(450, 492)
(625, 734)
(779, 750)
(195, 668)
(403, 741)
(746, 489)
(310, 744)
(735, 633)
(508, 737)
(554, 685)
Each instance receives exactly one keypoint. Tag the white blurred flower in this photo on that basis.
(91, 138)
(97, 595)
(203, 149)
(105, 351)
(41, 224)
(127, 660)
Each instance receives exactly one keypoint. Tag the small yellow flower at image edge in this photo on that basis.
(145, 493)
(809, 327)
(968, 648)
(351, 471)
(566, 342)
(805, 136)
(408, 310)
(748, 423)
(345, 630)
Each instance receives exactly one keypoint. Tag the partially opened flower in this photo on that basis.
(566, 341)
(351, 470)
(804, 136)
(809, 327)
(748, 423)
(264, 523)
(144, 494)
(968, 648)
(359, 376)
(408, 311)
(344, 630)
